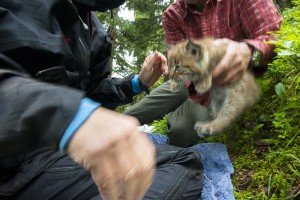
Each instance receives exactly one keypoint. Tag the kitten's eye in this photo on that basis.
(194, 52)
(176, 68)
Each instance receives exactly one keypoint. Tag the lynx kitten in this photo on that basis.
(194, 61)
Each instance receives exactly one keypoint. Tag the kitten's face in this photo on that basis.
(187, 61)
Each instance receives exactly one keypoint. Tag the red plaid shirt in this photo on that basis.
(239, 20)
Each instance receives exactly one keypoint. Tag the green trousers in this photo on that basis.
(181, 112)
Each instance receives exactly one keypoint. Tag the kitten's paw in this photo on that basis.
(203, 129)
(202, 90)
(202, 87)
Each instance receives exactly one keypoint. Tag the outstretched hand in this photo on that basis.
(154, 66)
(234, 63)
(120, 158)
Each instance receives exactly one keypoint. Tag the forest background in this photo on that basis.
(264, 145)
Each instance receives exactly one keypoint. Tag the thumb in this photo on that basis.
(218, 69)
(152, 59)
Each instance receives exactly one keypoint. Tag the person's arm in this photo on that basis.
(37, 115)
(233, 64)
(258, 19)
(34, 114)
(113, 92)
(120, 158)
(171, 22)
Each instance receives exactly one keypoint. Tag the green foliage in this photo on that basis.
(160, 126)
(275, 164)
(135, 38)
(282, 4)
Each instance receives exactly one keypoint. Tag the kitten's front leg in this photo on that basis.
(204, 129)
(225, 112)
(203, 86)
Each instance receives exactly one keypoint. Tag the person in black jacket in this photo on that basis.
(55, 94)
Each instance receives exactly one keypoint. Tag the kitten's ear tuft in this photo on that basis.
(193, 49)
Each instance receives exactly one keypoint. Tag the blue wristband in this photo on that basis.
(136, 84)
(86, 108)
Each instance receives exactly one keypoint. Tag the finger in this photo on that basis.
(166, 71)
(223, 65)
(109, 185)
(114, 184)
(107, 176)
(151, 60)
(138, 182)
(220, 73)
(162, 57)
(129, 166)
(164, 68)
(220, 42)
(117, 160)
(220, 69)
(132, 181)
(146, 160)
(236, 78)
(115, 190)
(163, 63)
(146, 178)
(139, 177)
(231, 76)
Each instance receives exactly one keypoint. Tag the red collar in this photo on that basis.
(202, 99)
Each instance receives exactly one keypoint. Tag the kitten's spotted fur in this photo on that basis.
(195, 60)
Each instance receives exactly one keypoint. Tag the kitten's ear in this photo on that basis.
(194, 49)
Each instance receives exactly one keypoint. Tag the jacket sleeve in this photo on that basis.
(110, 92)
(33, 114)
(113, 92)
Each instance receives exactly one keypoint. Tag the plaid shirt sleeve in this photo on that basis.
(240, 20)
(170, 22)
(258, 18)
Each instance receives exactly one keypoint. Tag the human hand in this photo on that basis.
(154, 66)
(120, 158)
(234, 63)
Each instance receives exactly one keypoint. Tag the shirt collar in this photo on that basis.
(187, 8)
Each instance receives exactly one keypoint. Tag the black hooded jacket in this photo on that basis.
(60, 41)
(57, 41)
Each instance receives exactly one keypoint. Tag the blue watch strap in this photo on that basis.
(86, 108)
(136, 84)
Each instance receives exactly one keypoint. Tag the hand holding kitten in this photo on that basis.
(234, 63)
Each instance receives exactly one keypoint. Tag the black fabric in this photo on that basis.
(46, 40)
(46, 35)
(44, 49)
(9, 64)
(33, 114)
(179, 176)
